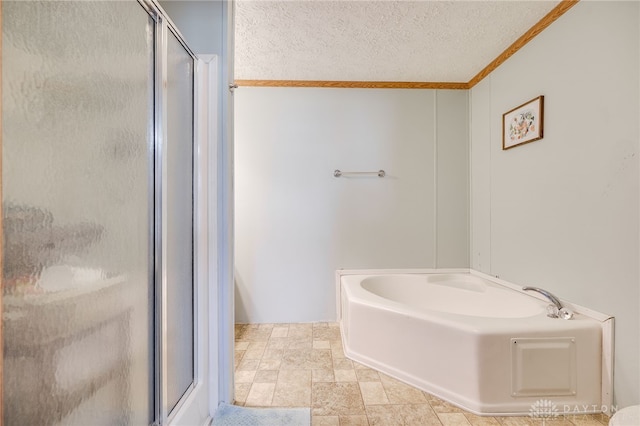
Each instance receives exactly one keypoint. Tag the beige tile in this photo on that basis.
(265, 326)
(248, 365)
(345, 375)
(254, 334)
(242, 346)
(385, 415)
(238, 354)
(270, 353)
(251, 326)
(321, 344)
(255, 350)
(401, 393)
(300, 377)
(305, 359)
(325, 421)
(564, 421)
(354, 421)
(515, 421)
(291, 395)
(260, 395)
(337, 353)
(239, 329)
(241, 391)
(453, 419)
(359, 366)
(266, 376)
(440, 406)
(341, 399)
(277, 343)
(327, 333)
(293, 389)
(533, 421)
(237, 358)
(481, 420)
(300, 330)
(589, 420)
(372, 393)
(419, 415)
(245, 376)
(367, 375)
(300, 343)
(320, 325)
(322, 375)
(336, 344)
(342, 364)
(280, 331)
(269, 364)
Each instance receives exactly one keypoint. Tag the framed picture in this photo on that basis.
(523, 124)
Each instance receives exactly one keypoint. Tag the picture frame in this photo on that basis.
(523, 124)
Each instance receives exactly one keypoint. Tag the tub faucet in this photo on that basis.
(553, 311)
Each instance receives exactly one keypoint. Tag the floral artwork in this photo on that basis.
(523, 124)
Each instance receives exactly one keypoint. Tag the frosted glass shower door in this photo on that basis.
(179, 222)
(78, 138)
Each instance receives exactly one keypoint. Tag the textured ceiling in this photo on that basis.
(423, 41)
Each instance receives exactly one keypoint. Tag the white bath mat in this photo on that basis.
(232, 415)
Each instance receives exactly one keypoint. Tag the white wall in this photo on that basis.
(562, 213)
(296, 223)
(199, 22)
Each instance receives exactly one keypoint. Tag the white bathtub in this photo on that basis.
(472, 342)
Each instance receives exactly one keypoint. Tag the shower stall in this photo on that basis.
(103, 208)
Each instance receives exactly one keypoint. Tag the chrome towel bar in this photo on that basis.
(338, 173)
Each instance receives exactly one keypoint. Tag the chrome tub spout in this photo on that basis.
(553, 311)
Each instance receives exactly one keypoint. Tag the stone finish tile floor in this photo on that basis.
(303, 365)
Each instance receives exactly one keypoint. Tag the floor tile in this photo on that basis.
(385, 415)
(260, 395)
(242, 390)
(440, 406)
(266, 376)
(300, 330)
(254, 335)
(342, 364)
(245, 376)
(330, 399)
(322, 375)
(453, 419)
(304, 365)
(299, 359)
(367, 375)
(515, 421)
(373, 393)
(481, 420)
(297, 377)
(325, 421)
(419, 415)
(300, 343)
(277, 343)
(345, 375)
(248, 364)
(291, 395)
(242, 346)
(401, 393)
(589, 420)
(321, 344)
(328, 333)
(255, 350)
(354, 421)
(280, 331)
